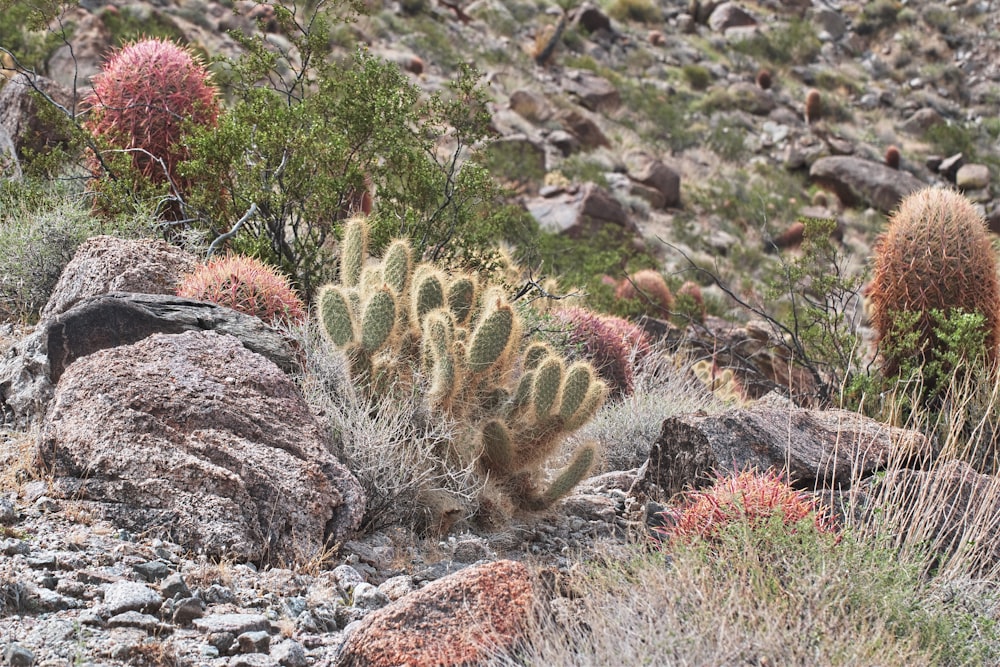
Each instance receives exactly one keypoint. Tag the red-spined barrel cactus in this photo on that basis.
(609, 343)
(748, 497)
(649, 287)
(935, 256)
(247, 285)
(143, 97)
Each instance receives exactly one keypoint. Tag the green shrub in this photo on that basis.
(698, 76)
(41, 226)
(641, 11)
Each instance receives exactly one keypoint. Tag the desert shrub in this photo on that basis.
(25, 35)
(41, 226)
(247, 285)
(697, 76)
(127, 25)
(295, 154)
(795, 42)
(641, 11)
(409, 328)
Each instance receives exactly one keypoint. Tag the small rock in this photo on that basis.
(252, 660)
(174, 586)
(730, 15)
(188, 609)
(235, 624)
(15, 547)
(254, 642)
(153, 570)
(134, 619)
(8, 513)
(217, 594)
(396, 587)
(347, 577)
(123, 596)
(950, 165)
(366, 596)
(972, 176)
(289, 653)
(18, 656)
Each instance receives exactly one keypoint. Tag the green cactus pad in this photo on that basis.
(428, 293)
(534, 353)
(578, 379)
(353, 250)
(378, 320)
(490, 339)
(335, 316)
(545, 391)
(461, 297)
(523, 393)
(371, 279)
(591, 403)
(572, 475)
(498, 453)
(397, 264)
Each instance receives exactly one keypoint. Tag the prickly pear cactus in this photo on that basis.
(400, 323)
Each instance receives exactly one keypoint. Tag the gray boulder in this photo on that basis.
(199, 441)
(30, 369)
(108, 264)
(857, 181)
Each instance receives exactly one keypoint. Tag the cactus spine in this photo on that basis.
(514, 405)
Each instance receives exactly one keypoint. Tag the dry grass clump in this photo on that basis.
(628, 427)
(912, 576)
(393, 446)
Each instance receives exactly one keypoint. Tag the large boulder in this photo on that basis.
(579, 212)
(108, 264)
(197, 440)
(818, 448)
(460, 619)
(858, 181)
(30, 368)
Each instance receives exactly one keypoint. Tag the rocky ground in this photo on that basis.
(654, 123)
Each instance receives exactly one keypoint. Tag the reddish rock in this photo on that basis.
(730, 15)
(858, 181)
(461, 619)
(579, 213)
(593, 92)
(587, 132)
(194, 439)
(107, 264)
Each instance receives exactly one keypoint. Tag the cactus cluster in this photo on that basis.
(143, 96)
(721, 382)
(814, 106)
(935, 257)
(747, 497)
(401, 323)
(247, 285)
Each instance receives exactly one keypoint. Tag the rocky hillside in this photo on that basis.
(183, 485)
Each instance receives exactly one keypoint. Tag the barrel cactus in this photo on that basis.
(934, 260)
(400, 324)
(247, 285)
(142, 99)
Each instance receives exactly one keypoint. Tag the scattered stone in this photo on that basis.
(123, 596)
(584, 129)
(949, 166)
(174, 586)
(857, 181)
(593, 92)
(234, 624)
(590, 18)
(530, 105)
(579, 213)
(817, 447)
(289, 653)
(28, 130)
(8, 513)
(397, 587)
(258, 641)
(972, 177)
(366, 596)
(145, 622)
(920, 121)
(18, 656)
(153, 570)
(187, 610)
(730, 15)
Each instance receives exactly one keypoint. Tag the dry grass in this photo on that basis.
(394, 447)
(628, 427)
(17, 459)
(913, 578)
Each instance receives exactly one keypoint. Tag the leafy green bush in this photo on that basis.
(641, 11)
(302, 149)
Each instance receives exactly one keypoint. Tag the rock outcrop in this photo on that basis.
(197, 439)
